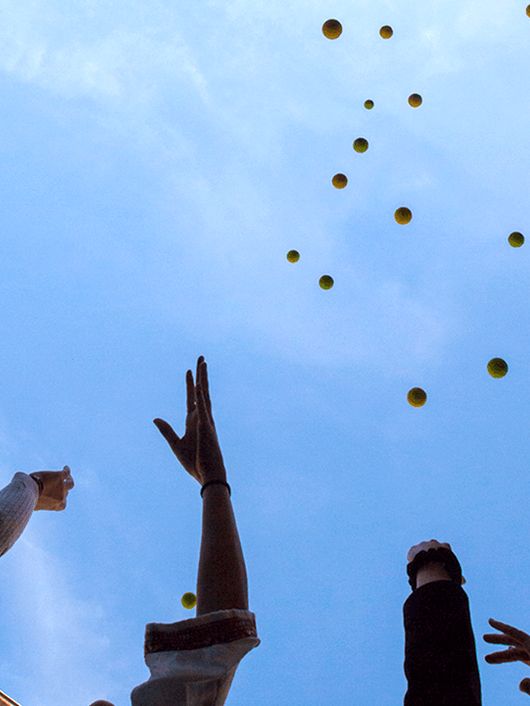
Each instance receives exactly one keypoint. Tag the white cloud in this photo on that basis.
(65, 636)
(129, 64)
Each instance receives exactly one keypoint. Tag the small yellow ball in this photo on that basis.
(332, 29)
(403, 215)
(497, 368)
(417, 397)
(369, 104)
(293, 255)
(360, 144)
(189, 600)
(386, 32)
(340, 181)
(528, 10)
(326, 282)
(516, 239)
(415, 100)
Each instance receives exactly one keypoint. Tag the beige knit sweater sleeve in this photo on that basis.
(17, 502)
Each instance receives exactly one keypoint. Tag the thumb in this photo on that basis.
(524, 686)
(167, 432)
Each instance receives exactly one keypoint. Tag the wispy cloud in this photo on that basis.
(65, 634)
(70, 56)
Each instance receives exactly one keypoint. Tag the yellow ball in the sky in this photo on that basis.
(386, 32)
(326, 282)
(189, 600)
(516, 239)
(403, 215)
(332, 29)
(369, 104)
(417, 397)
(360, 144)
(415, 100)
(528, 10)
(497, 368)
(293, 255)
(339, 181)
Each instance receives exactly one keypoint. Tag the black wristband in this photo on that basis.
(440, 555)
(211, 482)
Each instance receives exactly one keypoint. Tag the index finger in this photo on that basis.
(518, 635)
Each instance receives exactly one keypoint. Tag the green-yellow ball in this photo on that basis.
(293, 255)
(360, 144)
(497, 368)
(369, 104)
(415, 100)
(403, 215)
(326, 282)
(417, 397)
(340, 181)
(386, 32)
(332, 29)
(516, 239)
(189, 600)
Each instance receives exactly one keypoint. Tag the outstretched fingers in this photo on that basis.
(499, 639)
(201, 404)
(519, 636)
(206, 387)
(190, 392)
(512, 655)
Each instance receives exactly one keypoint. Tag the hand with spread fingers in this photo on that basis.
(198, 450)
(55, 488)
(518, 650)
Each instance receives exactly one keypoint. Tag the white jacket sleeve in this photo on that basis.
(17, 502)
(193, 662)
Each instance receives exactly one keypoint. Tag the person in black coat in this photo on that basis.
(440, 655)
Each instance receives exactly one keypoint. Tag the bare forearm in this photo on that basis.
(433, 571)
(222, 577)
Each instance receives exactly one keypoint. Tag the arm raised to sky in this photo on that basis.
(194, 661)
(41, 490)
(222, 578)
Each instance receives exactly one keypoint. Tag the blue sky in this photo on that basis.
(158, 162)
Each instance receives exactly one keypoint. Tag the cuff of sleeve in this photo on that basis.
(214, 628)
(443, 556)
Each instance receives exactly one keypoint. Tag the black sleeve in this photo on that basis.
(440, 658)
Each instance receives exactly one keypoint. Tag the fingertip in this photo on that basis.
(524, 686)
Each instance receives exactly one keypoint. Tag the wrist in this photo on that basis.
(219, 483)
(39, 483)
(433, 571)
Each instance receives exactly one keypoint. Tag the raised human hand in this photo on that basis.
(198, 450)
(424, 546)
(518, 650)
(55, 488)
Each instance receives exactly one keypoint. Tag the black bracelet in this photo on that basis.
(443, 556)
(211, 482)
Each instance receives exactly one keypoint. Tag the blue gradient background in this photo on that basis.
(157, 163)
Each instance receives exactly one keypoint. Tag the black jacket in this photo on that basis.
(440, 657)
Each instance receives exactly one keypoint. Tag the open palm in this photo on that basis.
(198, 450)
